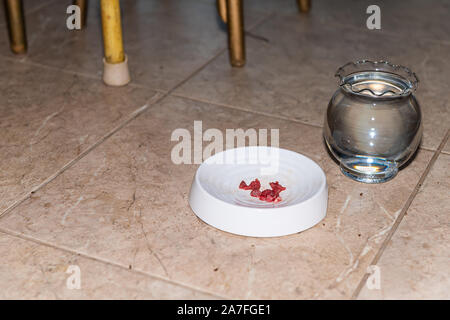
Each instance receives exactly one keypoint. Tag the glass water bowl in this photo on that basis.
(373, 123)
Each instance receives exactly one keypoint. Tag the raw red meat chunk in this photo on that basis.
(254, 185)
(255, 193)
(277, 187)
(268, 195)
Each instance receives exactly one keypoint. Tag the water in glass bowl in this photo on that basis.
(373, 125)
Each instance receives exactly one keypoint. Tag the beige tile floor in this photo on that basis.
(86, 177)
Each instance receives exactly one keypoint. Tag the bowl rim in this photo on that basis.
(267, 210)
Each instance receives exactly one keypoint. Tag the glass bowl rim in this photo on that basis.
(380, 66)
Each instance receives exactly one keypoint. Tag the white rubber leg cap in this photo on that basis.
(116, 74)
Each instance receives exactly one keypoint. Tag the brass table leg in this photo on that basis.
(83, 4)
(115, 62)
(304, 5)
(222, 7)
(236, 40)
(16, 26)
(112, 31)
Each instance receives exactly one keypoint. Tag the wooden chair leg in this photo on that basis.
(83, 4)
(16, 26)
(115, 62)
(236, 39)
(304, 5)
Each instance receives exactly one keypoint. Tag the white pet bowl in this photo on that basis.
(215, 196)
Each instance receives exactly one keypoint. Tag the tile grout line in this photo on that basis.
(227, 106)
(133, 115)
(142, 110)
(157, 97)
(270, 115)
(355, 28)
(402, 214)
(428, 149)
(196, 71)
(164, 95)
(180, 95)
(394, 35)
(219, 52)
(261, 21)
(28, 61)
(24, 237)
